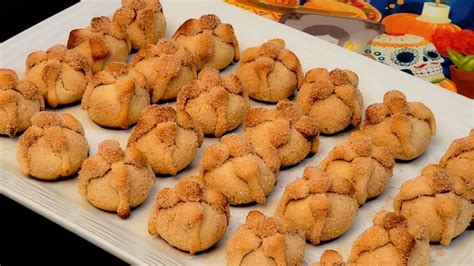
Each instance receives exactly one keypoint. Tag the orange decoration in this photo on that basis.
(448, 84)
(406, 23)
(434, 16)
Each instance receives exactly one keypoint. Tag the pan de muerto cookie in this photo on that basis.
(19, 101)
(116, 180)
(212, 43)
(60, 74)
(54, 146)
(191, 216)
(406, 128)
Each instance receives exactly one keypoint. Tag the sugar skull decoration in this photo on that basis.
(409, 53)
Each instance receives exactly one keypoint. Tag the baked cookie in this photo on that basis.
(167, 66)
(243, 173)
(191, 216)
(143, 20)
(61, 75)
(102, 43)
(331, 99)
(330, 258)
(212, 43)
(406, 128)
(322, 206)
(368, 167)
(286, 128)
(116, 180)
(391, 242)
(19, 101)
(459, 158)
(116, 96)
(54, 146)
(217, 104)
(167, 140)
(265, 241)
(441, 203)
(270, 72)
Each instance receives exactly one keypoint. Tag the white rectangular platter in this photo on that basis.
(129, 239)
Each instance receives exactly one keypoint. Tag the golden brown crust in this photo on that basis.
(150, 117)
(52, 66)
(169, 59)
(318, 185)
(317, 181)
(51, 128)
(8, 104)
(270, 234)
(98, 47)
(206, 28)
(285, 119)
(127, 83)
(218, 94)
(61, 53)
(191, 189)
(261, 62)
(100, 26)
(154, 115)
(231, 146)
(400, 115)
(458, 147)
(110, 74)
(143, 13)
(284, 110)
(364, 157)
(330, 258)
(110, 158)
(106, 26)
(458, 159)
(8, 79)
(17, 112)
(453, 197)
(434, 180)
(166, 125)
(341, 86)
(247, 167)
(389, 229)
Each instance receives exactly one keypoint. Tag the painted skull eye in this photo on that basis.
(405, 57)
(432, 54)
(408, 71)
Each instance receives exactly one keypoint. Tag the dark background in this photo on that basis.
(25, 235)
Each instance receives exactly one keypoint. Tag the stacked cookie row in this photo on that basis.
(436, 207)
(242, 169)
(318, 207)
(91, 68)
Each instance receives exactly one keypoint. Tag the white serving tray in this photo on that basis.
(129, 239)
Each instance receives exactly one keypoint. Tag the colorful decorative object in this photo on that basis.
(464, 81)
(348, 8)
(271, 12)
(408, 53)
(284, 3)
(433, 17)
(449, 85)
(460, 12)
(459, 47)
(410, 26)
